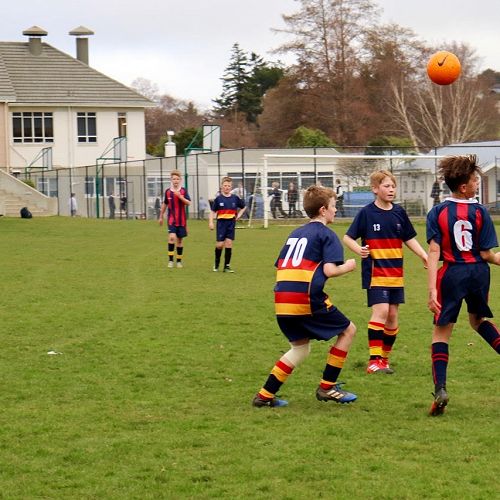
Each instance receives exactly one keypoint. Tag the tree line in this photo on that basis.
(355, 81)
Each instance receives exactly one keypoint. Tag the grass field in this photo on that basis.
(150, 396)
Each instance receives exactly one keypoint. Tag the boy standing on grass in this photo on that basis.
(312, 254)
(383, 228)
(227, 208)
(461, 234)
(176, 200)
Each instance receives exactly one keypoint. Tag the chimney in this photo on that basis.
(82, 43)
(35, 34)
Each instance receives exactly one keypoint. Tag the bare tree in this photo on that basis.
(431, 114)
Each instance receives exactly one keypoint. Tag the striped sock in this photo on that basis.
(334, 364)
(280, 372)
(490, 333)
(388, 341)
(180, 251)
(171, 249)
(375, 339)
(439, 362)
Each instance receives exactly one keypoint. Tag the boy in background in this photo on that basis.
(176, 200)
(312, 254)
(461, 234)
(227, 208)
(383, 228)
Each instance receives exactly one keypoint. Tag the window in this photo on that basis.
(155, 186)
(86, 126)
(32, 126)
(47, 186)
(122, 124)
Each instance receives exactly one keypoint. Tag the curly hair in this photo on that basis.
(457, 170)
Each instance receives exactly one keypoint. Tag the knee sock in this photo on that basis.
(218, 253)
(490, 333)
(227, 256)
(334, 364)
(171, 248)
(439, 363)
(375, 339)
(180, 251)
(283, 369)
(388, 341)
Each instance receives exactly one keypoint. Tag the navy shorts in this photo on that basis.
(388, 295)
(321, 326)
(179, 231)
(226, 229)
(457, 282)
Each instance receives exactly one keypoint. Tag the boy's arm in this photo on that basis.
(240, 213)
(162, 213)
(211, 216)
(490, 256)
(182, 198)
(432, 266)
(417, 249)
(354, 246)
(331, 270)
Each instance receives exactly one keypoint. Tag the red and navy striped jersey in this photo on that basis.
(176, 209)
(300, 278)
(462, 228)
(384, 231)
(227, 207)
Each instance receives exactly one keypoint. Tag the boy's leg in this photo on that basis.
(228, 252)
(329, 388)
(391, 329)
(218, 253)
(280, 372)
(180, 251)
(440, 355)
(487, 330)
(171, 249)
(376, 326)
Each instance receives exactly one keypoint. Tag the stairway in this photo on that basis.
(15, 194)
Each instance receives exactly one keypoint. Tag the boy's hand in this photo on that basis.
(433, 304)
(160, 221)
(365, 251)
(211, 226)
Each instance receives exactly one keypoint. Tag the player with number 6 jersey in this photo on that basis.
(461, 234)
(311, 254)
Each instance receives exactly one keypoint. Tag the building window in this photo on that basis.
(32, 126)
(122, 124)
(86, 126)
(47, 186)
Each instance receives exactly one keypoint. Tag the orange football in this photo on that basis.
(443, 67)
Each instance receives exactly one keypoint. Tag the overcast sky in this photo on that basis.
(184, 45)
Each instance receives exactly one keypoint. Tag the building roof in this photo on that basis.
(55, 78)
(488, 156)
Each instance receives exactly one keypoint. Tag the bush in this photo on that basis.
(29, 182)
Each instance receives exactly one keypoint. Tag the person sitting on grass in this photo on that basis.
(312, 254)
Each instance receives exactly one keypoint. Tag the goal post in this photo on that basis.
(415, 175)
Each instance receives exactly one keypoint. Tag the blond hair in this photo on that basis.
(379, 175)
(178, 173)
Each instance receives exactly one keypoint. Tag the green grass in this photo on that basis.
(150, 397)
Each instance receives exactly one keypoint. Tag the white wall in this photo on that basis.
(67, 151)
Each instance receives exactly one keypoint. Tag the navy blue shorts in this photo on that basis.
(179, 231)
(320, 326)
(226, 229)
(388, 295)
(457, 282)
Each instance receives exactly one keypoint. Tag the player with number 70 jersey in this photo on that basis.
(300, 278)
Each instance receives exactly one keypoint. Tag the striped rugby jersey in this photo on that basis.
(462, 228)
(384, 231)
(176, 209)
(227, 207)
(300, 277)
